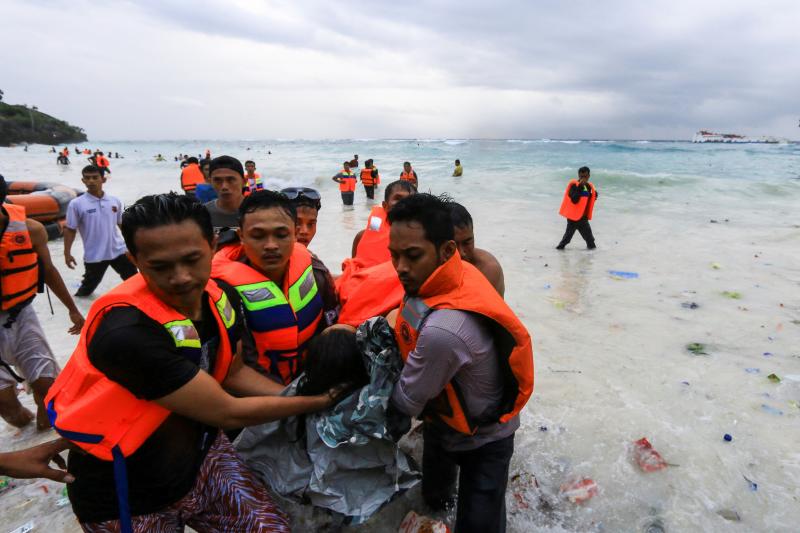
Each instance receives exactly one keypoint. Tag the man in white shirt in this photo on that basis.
(96, 215)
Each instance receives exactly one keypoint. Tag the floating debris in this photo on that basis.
(727, 437)
(730, 514)
(621, 274)
(752, 370)
(771, 410)
(752, 484)
(774, 378)
(414, 523)
(580, 490)
(716, 266)
(648, 459)
(697, 348)
(690, 305)
(733, 295)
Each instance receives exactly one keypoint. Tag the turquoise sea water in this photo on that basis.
(611, 358)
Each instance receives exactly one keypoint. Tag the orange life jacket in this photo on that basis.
(367, 178)
(254, 183)
(409, 176)
(281, 319)
(104, 418)
(373, 248)
(101, 161)
(191, 177)
(86, 151)
(459, 285)
(19, 264)
(576, 211)
(348, 183)
(368, 292)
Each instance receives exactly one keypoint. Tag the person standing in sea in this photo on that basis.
(577, 207)
(96, 216)
(347, 183)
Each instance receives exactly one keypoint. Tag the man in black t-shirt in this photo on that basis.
(186, 471)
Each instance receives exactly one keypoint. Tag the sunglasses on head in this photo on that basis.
(299, 193)
(293, 193)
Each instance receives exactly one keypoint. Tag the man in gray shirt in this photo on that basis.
(227, 178)
(468, 365)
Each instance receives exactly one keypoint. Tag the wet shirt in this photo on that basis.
(133, 350)
(225, 223)
(455, 345)
(97, 220)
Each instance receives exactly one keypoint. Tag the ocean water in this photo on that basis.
(694, 222)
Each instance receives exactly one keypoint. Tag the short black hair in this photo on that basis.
(406, 163)
(162, 210)
(399, 184)
(267, 199)
(91, 169)
(584, 170)
(460, 215)
(458, 161)
(226, 161)
(3, 189)
(333, 358)
(430, 211)
(249, 161)
(191, 160)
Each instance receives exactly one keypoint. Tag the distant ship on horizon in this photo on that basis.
(705, 136)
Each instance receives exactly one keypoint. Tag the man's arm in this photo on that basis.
(337, 178)
(204, 400)
(244, 381)
(35, 462)
(438, 356)
(69, 238)
(51, 276)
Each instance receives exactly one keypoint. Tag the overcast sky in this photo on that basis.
(213, 69)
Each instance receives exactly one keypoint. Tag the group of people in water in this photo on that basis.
(223, 305)
(96, 158)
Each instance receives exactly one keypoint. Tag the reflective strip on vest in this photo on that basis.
(414, 312)
(186, 338)
(266, 306)
(301, 295)
(226, 311)
(16, 226)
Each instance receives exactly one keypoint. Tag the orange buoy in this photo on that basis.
(43, 201)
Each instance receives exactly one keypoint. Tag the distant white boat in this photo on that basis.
(705, 136)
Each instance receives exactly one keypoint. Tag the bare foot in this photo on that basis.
(42, 420)
(19, 418)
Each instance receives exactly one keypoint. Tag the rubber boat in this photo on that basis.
(44, 201)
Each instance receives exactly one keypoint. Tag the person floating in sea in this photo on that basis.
(227, 178)
(307, 203)
(468, 366)
(24, 261)
(275, 279)
(96, 215)
(409, 174)
(370, 178)
(347, 183)
(252, 179)
(577, 206)
(354, 161)
(160, 157)
(191, 176)
(464, 235)
(458, 170)
(101, 162)
(163, 362)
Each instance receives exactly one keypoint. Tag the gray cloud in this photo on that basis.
(417, 68)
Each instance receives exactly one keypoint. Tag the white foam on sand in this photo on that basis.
(611, 358)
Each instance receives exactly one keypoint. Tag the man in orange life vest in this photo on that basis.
(347, 183)
(464, 236)
(191, 176)
(376, 245)
(370, 178)
(577, 206)
(409, 174)
(24, 264)
(156, 372)
(252, 179)
(101, 162)
(274, 277)
(468, 365)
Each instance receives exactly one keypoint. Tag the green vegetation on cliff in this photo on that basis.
(23, 124)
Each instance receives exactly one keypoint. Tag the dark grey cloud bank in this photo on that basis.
(465, 69)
